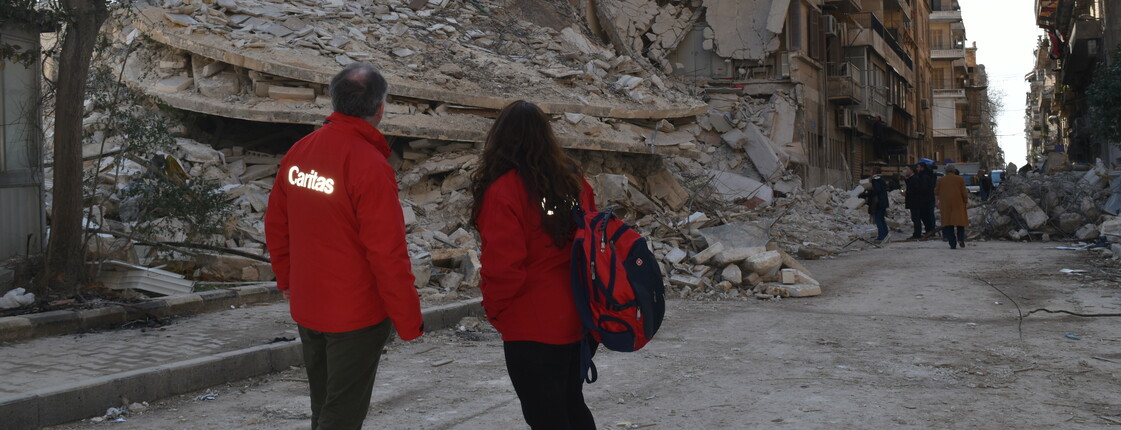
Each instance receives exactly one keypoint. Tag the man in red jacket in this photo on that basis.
(336, 238)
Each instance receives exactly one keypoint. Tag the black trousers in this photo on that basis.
(547, 380)
(948, 232)
(341, 368)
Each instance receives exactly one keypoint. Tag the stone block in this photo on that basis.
(174, 84)
(733, 274)
(764, 263)
(220, 86)
(683, 280)
(736, 255)
(796, 290)
(410, 215)
(1033, 216)
(471, 267)
(1087, 232)
(788, 276)
(1111, 229)
(291, 94)
(675, 255)
(708, 253)
(753, 279)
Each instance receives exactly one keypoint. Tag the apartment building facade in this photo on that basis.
(1078, 36)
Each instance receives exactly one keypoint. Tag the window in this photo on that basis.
(18, 112)
(794, 27)
(816, 35)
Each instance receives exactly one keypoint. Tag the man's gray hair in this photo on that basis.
(358, 90)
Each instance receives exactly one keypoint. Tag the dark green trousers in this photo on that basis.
(341, 368)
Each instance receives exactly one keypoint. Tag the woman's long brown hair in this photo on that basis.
(522, 139)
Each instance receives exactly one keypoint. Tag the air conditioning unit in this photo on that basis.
(925, 103)
(846, 118)
(832, 26)
(784, 65)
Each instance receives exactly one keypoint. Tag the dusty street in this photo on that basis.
(903, 337)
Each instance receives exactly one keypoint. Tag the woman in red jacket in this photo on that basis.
(525, 189)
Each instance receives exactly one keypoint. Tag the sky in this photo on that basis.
(1005, 33)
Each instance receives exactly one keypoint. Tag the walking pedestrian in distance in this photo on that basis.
(953, 200)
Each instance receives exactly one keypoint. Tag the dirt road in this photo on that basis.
(904, 337)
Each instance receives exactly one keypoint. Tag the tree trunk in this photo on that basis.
(65, 257)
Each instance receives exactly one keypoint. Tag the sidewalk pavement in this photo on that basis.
(67, 377)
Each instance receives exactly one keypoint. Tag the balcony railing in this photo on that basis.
(942, 53)
(845, 85)
(946, 15)
(949, 93)
(951, 132)
(869, 21)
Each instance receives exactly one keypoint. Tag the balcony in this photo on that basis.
(951, 132)
(845, 86)
(1046, 13)
(846, 6)
(870, 31)
(949, 93)
(945, 16)
(947, 52)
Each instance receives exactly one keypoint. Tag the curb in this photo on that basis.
(90, 398)
(54, 323)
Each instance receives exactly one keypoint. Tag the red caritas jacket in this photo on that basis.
(526, 279)
(336, 233)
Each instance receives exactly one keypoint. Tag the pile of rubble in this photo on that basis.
(1033, 206)
(685, 173)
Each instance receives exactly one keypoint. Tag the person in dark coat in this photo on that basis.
(986, 184)
(920, 199)
(878, 202)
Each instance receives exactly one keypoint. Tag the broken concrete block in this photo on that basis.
(735, 187)
(734, 235)
(788, 276)
(708, 253)
(736, 255)
(451, 281)
(196, 152)
(174, 84)
(683, 280)
(720, 121)
(1111, 229)
(220, 86)
(422, 272)
(410, 215)
(1070, 222)
(663, 186)
(790, 262)
(1087, 232)
(448, 257)
(733, 274)
(759, 149)
(222, 267)
(854, 203)
(1033, 216)
(764, 263)
(802, 278)
(796, 290)
(753, 279)
(293, 94)
(470, 268)
(675, 255)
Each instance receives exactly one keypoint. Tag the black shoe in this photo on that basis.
(915, 237)
(953, 247)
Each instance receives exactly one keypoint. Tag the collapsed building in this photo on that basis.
(679, 114)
